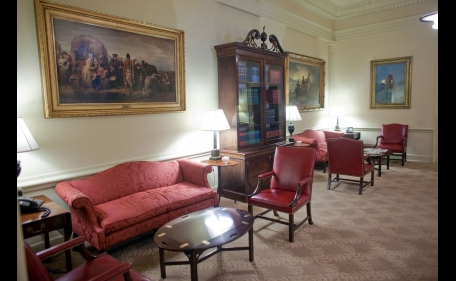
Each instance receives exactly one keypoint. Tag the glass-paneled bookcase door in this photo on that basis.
(250, 101)
(274, 103)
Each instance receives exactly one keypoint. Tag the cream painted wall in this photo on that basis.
(77, 147)
(351, 81)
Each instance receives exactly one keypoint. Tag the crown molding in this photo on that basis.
(270, 12)
(276, 14)
(378, 28)
(301, 24)
(252, 7)
(336, 13)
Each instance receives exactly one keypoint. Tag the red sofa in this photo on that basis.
(317, 140)
(134, 198)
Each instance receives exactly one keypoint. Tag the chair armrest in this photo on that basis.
(298, 191)
(265, 175)
(121, 269)
(195, 172)
(261, 177)
(376, 140)
(60, 248)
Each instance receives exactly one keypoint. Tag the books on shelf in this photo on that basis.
(249, 137)
(242, 72)
(249, 95)
(275, 76)
(272, 96)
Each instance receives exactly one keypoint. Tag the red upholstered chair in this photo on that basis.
(346, 157)
(394, 137)
(101, 267)
(317, 140)
(290, 186)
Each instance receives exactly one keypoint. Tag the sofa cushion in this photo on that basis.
(122, 213)
(128, 178)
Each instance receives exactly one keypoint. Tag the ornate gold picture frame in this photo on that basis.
(305, 82)
(391, 83)
(93, 64)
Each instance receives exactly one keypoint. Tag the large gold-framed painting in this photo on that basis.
(305, 82)
(93, 64)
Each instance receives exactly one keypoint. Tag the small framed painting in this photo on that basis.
(391, 82)
(305, 82)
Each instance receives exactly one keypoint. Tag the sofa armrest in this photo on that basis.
(313, 142)
(195, 172)
(333, 134)
(78, 201)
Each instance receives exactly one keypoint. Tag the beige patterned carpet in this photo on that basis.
(390, 232)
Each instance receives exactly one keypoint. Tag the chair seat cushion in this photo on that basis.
(394, 147)
(278, 200)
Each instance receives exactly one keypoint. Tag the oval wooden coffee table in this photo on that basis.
(196, 232)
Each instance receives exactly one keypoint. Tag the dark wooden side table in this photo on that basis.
(354, 135)
(33, 224)
(219, 164)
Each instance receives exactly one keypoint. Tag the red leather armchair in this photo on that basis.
(101, 267)
(346, 157)
(290, 187)
(394, 137)
(317, 140)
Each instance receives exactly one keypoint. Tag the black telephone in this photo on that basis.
(349, 130)
(32, 205)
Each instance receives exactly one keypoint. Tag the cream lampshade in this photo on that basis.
(25, 142)
(215, 120)
(292, 114)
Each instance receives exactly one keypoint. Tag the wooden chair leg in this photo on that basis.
(361, 182)
(291, 227)
(328, 187)
(309, 213)
(275, 213)
(372, 178)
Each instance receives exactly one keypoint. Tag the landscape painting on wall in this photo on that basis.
(305, 84)
(391, 83)
(94, 64)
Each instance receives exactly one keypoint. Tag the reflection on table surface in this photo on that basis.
(203, 225)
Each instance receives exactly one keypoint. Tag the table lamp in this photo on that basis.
(215, 120)
(292, 114)
(25, 142)
(337, 111)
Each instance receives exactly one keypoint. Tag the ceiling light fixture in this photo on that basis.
(431, 17)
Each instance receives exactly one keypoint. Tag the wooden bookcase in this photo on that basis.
(251, 89)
